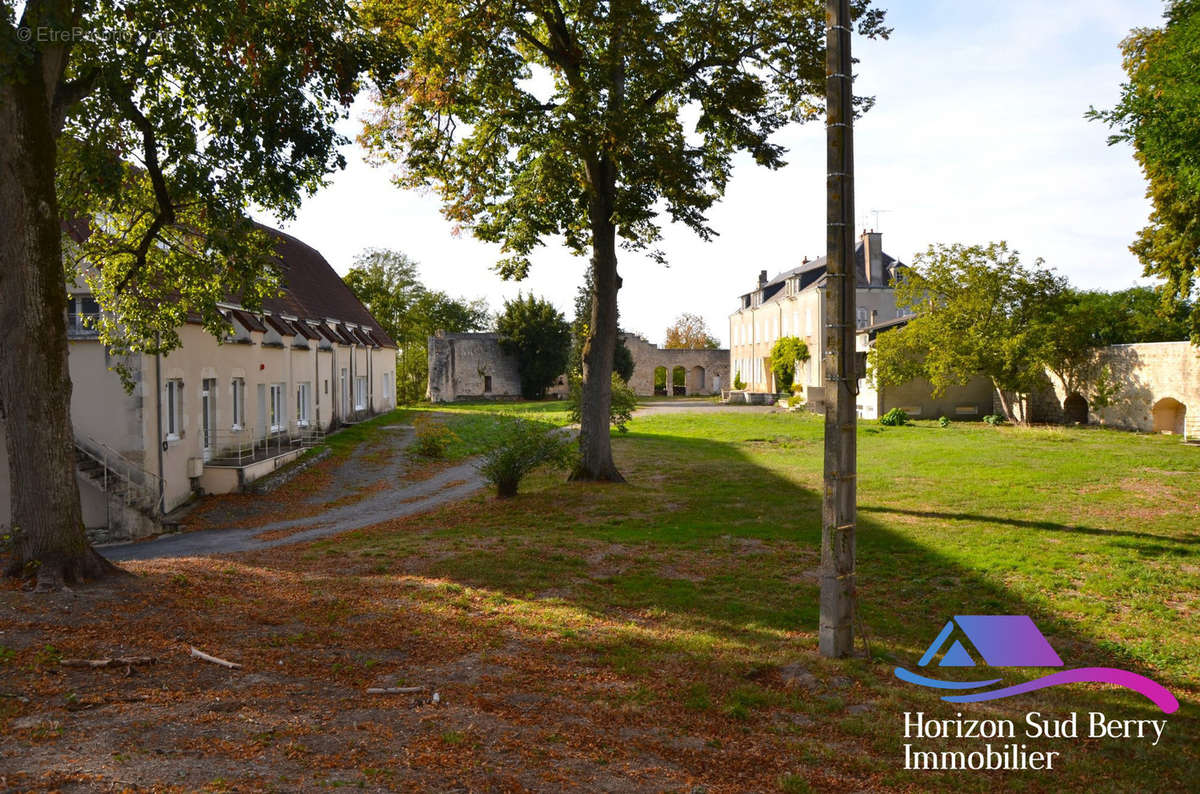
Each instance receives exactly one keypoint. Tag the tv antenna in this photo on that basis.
(877, 213)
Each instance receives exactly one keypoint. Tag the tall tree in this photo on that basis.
(540, 337)
(389, 285)
(979, 312)
(540, 118)
(690, 332)
(1159, 113)
(150, 127)
(622, 356)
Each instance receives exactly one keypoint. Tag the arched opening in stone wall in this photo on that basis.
(696, 381)
(1169, 415)
(678, 381)
(1075, 409)
(660, 380)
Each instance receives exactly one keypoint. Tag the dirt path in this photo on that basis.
(380, 461)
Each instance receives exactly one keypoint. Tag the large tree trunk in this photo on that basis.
(35, 383)
(595, 443)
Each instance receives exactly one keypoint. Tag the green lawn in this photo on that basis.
(705, 566)
(655, 636)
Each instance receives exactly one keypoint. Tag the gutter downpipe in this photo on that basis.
(158, 442)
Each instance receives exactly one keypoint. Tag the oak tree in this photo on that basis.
(1159, 113)
(148, 129)
(586, 121)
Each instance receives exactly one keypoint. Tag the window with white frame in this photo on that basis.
(275, 406)
(388, 391)
(174, 408)
(360, 392)
(302, 392)
(239, 403)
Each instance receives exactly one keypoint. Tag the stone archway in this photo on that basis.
(661, 376)
(1075, 409)
(1169, 415)
(696, 381)
(679, 381)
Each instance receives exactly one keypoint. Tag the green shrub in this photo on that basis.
(894, 418)
(433, 438)
(785, 354)
(519, 446)
(944, 421)
(738, 383)
(620, 411)
(994, 419)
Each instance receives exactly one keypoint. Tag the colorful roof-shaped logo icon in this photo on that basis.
(1014, 641)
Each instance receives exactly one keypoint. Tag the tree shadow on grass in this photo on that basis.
(1048, 526)
(693, 498)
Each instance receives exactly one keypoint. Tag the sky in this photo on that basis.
(978, 134)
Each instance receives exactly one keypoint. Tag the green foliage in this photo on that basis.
(738, 383)
(894, 418)
(1105, 389)
(785, 354)
(943, 421)
(518, 446)
(388, 284)
(1159, 113)
(518, 160)
(624, 402)
(622, 355)
(433, 438)
(979, 312)
(993, 419)
(1089, 320)
(180, 118)
(538, 335)
(690, 332)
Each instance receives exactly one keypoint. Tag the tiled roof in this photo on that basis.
(313, 291)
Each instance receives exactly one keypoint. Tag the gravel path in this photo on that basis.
(449, 485)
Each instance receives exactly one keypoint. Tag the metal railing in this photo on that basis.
(82, 324)
(247, 445)
(120, 475)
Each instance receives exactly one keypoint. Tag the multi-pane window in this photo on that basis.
(174, 408)
(239, 403)
(302, 391)
(82, 312)
(275, 406)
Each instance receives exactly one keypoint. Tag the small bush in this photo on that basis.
(944, 421)
(738, 383)
(620, 411)
(994, 419)
(519, 446)
(433, 438)
(894, 418)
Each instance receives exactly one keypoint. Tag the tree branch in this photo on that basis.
(166, 210)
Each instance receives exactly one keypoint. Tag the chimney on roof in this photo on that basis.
(762, 279)
(805, 262)
(873, 258)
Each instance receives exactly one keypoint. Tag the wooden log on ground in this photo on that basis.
(117, 661)
(215, 660)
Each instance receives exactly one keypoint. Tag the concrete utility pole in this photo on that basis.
(839, 507)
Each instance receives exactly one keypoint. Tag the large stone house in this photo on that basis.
(793, 304)
(214, 415)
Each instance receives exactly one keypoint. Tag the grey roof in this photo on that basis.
(813, 273)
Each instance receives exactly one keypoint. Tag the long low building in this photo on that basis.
(214, 415)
